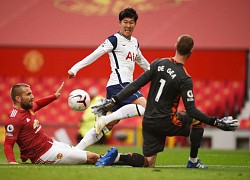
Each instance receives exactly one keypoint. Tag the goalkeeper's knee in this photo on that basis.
(133, 159)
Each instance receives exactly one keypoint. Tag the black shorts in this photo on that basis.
(154, 136)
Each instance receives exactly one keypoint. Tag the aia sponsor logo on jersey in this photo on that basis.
(131, 56)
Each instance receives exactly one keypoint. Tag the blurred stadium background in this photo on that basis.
(40, 40)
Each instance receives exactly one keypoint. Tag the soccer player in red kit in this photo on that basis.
(23, 128)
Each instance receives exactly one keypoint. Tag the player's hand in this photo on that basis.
(103, 107)
(226, 123)
(71, 74)
(58, 92)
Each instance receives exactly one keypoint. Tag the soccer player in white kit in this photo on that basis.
(124, 51)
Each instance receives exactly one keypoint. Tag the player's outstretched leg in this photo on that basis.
(127, 111)
(108, 158)
(89, 138)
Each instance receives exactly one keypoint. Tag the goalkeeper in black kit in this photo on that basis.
(169, 82)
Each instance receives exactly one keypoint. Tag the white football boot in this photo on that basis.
(99, 124)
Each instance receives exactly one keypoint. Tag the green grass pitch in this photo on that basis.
(171, 164)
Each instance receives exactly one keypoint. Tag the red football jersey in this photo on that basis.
(23, 127)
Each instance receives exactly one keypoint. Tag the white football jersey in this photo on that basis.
(123, 53)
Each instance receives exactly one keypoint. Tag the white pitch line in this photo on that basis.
(117, 166)
(181, 166)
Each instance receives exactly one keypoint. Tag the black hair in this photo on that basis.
(128, 12)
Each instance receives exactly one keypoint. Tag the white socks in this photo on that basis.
(117, 158)
(89, 138)
(124, 112)
(193, 160)
(127, 111)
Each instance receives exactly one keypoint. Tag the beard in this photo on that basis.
(27, 106)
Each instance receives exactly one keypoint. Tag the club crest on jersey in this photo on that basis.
(131, 56)
(36, 125)
(59, 156)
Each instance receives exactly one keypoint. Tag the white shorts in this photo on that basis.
(62, 153)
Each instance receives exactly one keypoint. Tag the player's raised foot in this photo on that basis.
(99, 125)
(198, 164)
(108, 159)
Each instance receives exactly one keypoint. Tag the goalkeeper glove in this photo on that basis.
(105, 105)
(225, 123)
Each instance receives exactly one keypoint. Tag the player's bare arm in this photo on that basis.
(58, 92)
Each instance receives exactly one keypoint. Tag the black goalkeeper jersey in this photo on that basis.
(169, 82)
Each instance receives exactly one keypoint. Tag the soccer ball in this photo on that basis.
(79, 100)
